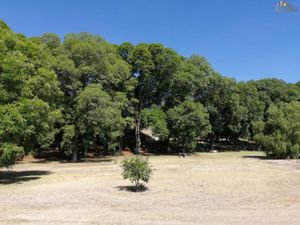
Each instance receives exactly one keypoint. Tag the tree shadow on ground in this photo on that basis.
(262, 157)
(90, 160)
(12, 177)
(132, 188)
(84, 160)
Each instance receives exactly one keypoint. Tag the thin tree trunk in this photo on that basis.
(137, 186)
(183, 152)
(85, 149)
(120, 144)
(169, 150)
(236, 143)
(75, 154)
(211, 145)
(137, 133)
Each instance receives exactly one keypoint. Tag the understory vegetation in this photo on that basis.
(85, 94)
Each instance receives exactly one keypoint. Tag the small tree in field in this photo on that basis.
(136, 168)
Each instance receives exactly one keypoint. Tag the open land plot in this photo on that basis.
(206, 188)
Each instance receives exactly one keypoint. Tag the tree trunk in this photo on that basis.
(236, 143)
(183, 152)
(136, 185)
(85, 149)
(75, 154)
(137, 133)
(169, 150)
(120, 145)
(211, 144)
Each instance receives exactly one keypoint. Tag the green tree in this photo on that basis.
(96, 61)
(218, 94)
(187, 123)
(273, 90)
(280, 134)
(99, 119)
(29, 93)
(153, 67)
(136, 169)
(40, 124)
(68, 143)
(83, 91)
(156, 119)
(250, 99)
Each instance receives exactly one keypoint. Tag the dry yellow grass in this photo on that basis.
(209, 188)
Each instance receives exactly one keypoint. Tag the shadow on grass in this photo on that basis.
(85, 160)
(90, 160)
(262, 157)
(131, 188)
(11, 177)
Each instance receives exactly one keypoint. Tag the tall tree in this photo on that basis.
(29, 95)
(280, 135)
(99, 119)
(187, 123)
(153, 66)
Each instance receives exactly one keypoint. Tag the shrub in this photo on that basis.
(136, 168)
(8, 153)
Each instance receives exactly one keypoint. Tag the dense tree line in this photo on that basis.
(85, 93)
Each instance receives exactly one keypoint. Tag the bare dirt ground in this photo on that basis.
(209, 188)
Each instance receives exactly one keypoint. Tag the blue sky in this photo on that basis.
(244, 39)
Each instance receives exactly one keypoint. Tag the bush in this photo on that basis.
(136, 168)
(8, 153)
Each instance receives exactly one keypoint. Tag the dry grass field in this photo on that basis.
(207, 188)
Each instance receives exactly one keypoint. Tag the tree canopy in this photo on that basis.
(280, 134)
(85, 93)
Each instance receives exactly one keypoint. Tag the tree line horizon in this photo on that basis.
(85, 93)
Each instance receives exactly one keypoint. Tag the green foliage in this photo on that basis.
(96, 61)
(3, 25)
(274, 91)
(12, 123)
(136, 169)
(188, 122)
(51, 40)
(249, 98)
(125, 50)
(39, 129)
(8, 153)
(68, 76)
(280, 135)
(99, 118)
(29, 94)
(85, 91)
(218, 95)
(69, 136)
(156, 119)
